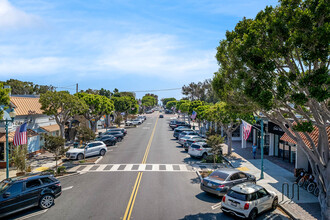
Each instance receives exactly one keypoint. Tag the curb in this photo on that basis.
(199, 175)
(225, 158)
(72, 174)
(287, 212)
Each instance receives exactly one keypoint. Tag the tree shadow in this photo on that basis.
(195, 180)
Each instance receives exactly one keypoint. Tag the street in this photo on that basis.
(146, 176)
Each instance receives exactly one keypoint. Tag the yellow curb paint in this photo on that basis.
(243, 168)
(132, 198)
(41, 169)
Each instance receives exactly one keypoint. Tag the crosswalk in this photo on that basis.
(132, 167)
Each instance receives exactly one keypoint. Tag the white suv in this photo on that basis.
(91, 149)
(247, 200)
(199, 149)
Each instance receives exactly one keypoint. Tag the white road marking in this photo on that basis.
(101, 167)
(183, 167)
(146, 128)
(32, 214)
(142, 167)
(98, 160)
(155, 167)
(169, 167)
(216, 206)
(74, 168)
(66, 188)
(88, 167)
(115, 167)
(128, 167)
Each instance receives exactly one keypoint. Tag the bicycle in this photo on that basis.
(308, 181)
(316, 191)
(303, 180)
(312, 186)
(301, 174)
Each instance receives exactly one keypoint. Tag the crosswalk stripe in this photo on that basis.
(155, 167)
(128, 167)
(88, 167)
(169, 167)
(142, 167)
(101, 167)
(73, 169)
(115, 167)
(183, 167)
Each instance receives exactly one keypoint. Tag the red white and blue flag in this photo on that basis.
(20, 137)
(246, 129)
(193, 115)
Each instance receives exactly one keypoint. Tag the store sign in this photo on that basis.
(275, 129)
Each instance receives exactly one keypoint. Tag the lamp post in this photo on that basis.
(261, 145)
(12, 115)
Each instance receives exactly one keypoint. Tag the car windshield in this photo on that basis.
(237, 195)
(4, 185)
(218, 175)
(82, 146)
(195, 146)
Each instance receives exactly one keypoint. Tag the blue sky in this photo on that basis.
(130, 45)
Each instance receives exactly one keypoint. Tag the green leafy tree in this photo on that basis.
(62, 106)
(55, 145)
(171, 104)
(202, 91)
(166, 100)
(278, 63)
(4, 98)
(202, 112)
(85, 134)
(97, 107)
(215, 142)
(184, 108)
(148, 102)
(18, 157)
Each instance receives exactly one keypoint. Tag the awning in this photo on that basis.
(51, 128)
(10, 137)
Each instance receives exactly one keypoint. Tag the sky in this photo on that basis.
(137, 45)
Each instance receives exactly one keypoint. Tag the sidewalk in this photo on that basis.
(307, 207)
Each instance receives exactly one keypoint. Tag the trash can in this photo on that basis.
(75, 144)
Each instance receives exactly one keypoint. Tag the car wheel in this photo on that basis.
(80, 157)
(102, 152)
(46, 201)
(119, 139)
(253, 214)
(204, 156)
(275, 203)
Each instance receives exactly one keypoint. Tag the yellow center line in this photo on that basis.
(131, 201)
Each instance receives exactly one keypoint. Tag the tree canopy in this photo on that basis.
(171, 104)
(278, 64)
(4, 98)
(148, 101)
(166, 100)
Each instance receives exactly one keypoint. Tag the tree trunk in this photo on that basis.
(62, 130)
(229, 141)
(93, 125)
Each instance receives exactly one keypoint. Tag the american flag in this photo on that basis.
(246, 129)
(20, 135)
(193, 115)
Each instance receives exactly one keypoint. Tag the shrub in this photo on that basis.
(19, 157)
(61, 169)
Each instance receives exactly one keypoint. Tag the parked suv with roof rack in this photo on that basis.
(17, 194)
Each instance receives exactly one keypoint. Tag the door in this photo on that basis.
(242, 177)
(263, 198)
(234, 179)
(13, 201)
(30, 195)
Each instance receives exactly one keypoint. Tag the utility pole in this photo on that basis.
(77, 88)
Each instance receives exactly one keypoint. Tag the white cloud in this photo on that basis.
(11, 17)
(157, 55)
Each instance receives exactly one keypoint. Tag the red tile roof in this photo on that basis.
(51, 128)
(26, 105)
(314, 136)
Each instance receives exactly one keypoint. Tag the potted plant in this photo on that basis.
(19, 159)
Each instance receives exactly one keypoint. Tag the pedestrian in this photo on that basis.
(254, 150)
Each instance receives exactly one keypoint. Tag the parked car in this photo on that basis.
(177, 131)
(179, 123)
(200, 150)
(184, 133)
(190, 141)
(161, 116)
(183, 139)
(90, 149)
(109, 140)
(123, 130)
(17, 194)
(248, 200)
(142, 117)
(221, 180)
(118, 134)
(149, 112)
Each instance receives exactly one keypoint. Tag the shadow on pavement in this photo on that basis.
(206, 216)
(208, 197)
(25, 213)
(195, 180)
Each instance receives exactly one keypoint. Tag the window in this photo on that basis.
(195, 146)
(33, 183)
(46, 180)
(237, 195)
(253, 197)
(219, 175)
(15, 189)
(242, 175)
(235, 176)
(262, 193)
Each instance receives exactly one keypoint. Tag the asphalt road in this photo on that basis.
(154, 193)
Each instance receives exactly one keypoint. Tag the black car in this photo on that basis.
(118, 134)
(123, 130)
(24, 192)
(161, 116)
(109, 140)
(176, 124)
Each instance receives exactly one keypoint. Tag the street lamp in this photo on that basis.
(12, 115)
(261, 145)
